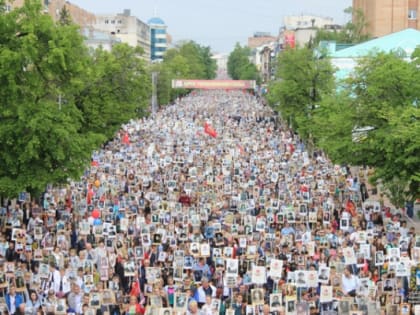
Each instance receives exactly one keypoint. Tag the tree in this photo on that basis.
(42, 139)
(201, 65)
(353, 32)
(382, 95)
(65, 17)
(210, 66)
(58, 102)
(188, 61)
(239, 66)
(117, 87)
(301, 81)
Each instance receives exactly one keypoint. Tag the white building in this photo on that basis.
(302, 28)
(221, 62)
(129, 29)
(293, 22)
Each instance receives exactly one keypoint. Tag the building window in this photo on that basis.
(106, 21)
(112, 21)
(412, 14)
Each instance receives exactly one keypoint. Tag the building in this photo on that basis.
(264, 58)
(259, 39)
(298, 30)
(267, 55)
(293, 22)
(79, 16)
(96, 39)
(158, 39)
(221, 62)
(403, 43)
(388, 16)
(127, 28)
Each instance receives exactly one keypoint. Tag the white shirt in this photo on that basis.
(202, 294)
(348, 284)
(207, 310)
(66, 284)
(12, 304)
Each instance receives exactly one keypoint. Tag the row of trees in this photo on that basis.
(371, 118)
(59, 100)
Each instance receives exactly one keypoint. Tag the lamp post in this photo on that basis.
(154, 92)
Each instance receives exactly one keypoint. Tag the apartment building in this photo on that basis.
(388, 16)
(126, 27)
(79, 16)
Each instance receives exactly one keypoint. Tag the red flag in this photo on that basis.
(212, 133)
(210, 130)
(126, 139)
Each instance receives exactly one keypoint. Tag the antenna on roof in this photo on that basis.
(155, 9)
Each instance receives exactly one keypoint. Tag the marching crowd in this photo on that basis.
(210, 206)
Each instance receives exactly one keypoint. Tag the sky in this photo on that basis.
(220, 24)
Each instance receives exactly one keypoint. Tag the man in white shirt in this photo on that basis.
(348, 282)
(62, 284)
(54, 277)
(74, 299)
(205, 289)
(207, 307)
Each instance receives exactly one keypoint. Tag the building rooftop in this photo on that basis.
(407, 41)
(156, 21)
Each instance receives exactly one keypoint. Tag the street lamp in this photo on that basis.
(154, 92)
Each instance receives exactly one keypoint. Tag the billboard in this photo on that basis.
(289, 39)
(214, 84)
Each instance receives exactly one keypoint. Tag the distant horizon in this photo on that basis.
(219, 24)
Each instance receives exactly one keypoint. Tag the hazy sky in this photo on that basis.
(220, 23)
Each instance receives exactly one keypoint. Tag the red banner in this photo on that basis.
(289, 40)
(214, 84)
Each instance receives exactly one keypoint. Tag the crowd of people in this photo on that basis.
(211, 206)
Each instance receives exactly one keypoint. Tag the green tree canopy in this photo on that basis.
(302, 80)
(240, 67)
(115, 89)
(382, 96)
(65, 17)
(188, 61)
(353, 32)
(57, 101)
(42, 142)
